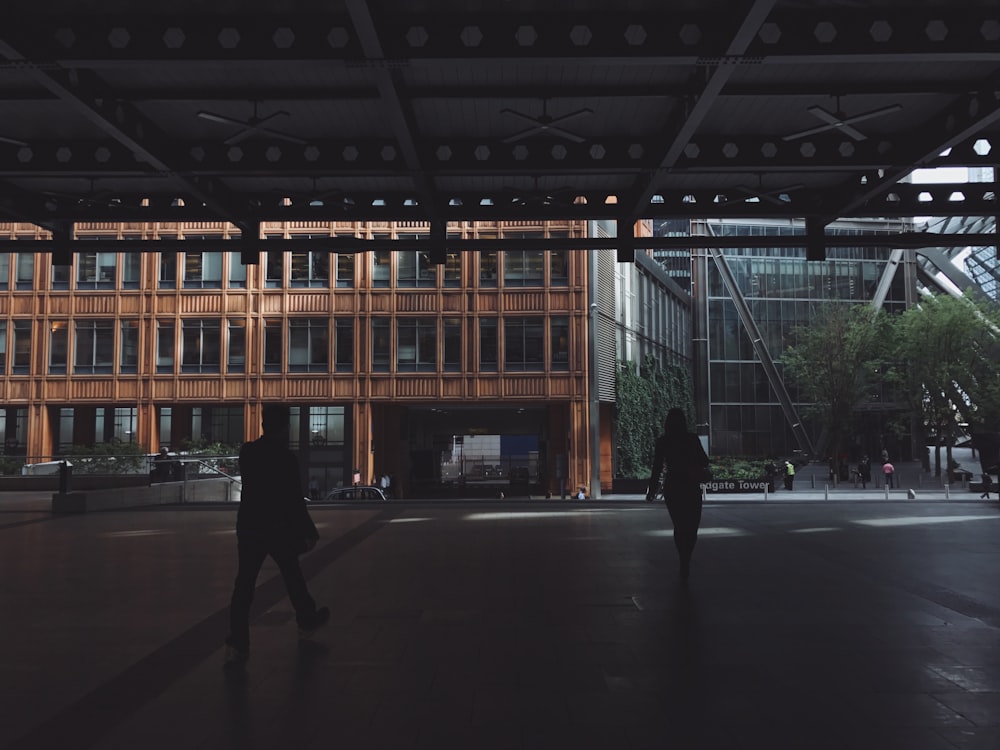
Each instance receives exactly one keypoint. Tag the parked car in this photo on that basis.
(363, 492)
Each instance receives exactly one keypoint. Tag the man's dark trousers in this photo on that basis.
(252, 552)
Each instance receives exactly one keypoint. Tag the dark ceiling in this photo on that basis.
(448, 111)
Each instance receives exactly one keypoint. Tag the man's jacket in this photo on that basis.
(272, 506)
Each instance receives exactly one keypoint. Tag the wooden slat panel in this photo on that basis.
(344, 388)
(202, 304)
(21, 304)
(166, 304)
(56, 390)
(417, 387)
(488, 302)
(344, 303)
(452, 302)
(418, 302)
(237, 303)
(524, 387)
(313, 388)
(127, 390)
(92, 390)
(381, 388)
(130, 304)
(271, 304)
(199, 389)
(309, 303)
(96, 304)
(452, 387)
(18, 390)
(524, 301)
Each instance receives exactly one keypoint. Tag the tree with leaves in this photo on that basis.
(833, 363)
(945, 352)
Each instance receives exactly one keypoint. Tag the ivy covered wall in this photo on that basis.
(644, 395)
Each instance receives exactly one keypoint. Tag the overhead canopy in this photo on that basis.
(489, 110)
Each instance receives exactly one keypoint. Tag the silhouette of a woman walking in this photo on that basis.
(679, 466)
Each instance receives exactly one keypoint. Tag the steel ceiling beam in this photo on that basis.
(954, 126)
(897, 33)
(695, 114)
(96, 102)
(344, 243)
(398, 110)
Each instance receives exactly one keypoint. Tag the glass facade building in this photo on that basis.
(768, 292)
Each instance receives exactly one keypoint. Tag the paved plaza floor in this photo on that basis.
(848, 625)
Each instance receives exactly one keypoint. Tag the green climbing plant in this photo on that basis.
(644, 395)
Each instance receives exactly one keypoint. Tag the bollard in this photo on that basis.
(886, 491)
(947, 492)
(65, 477)
(826, 492)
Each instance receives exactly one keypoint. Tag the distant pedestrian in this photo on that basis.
(272, 521)
(865, 470)
(789, 474)
(888, 470)
(680, 465)
(987, 486)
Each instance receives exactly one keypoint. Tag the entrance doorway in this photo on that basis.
(477, 451)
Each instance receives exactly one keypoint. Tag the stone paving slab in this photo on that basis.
(805, 625)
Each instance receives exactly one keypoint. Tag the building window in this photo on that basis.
(165, 347)
(61, 276)
(272, 346)
(3, 347)
(131, 270)
(94, 347)
(25, 271)
(524, 267)
(381, 264)
(115, 424)
(13, 430)
(488, 344)
(217, 424)
(311, 269)
(523, 344)
(453, 269)
(380, 345)
(416, 344)
(164, 419)
(308, 345)
(202, 270)
(58, 347)
(326, 426)
(414, 269)
(452, 344)
(236, 351)
(559, 342)
(200, 345)
(64, 441)
(4, 271)
(168, 271)
(22, 347)
(345, 270)
(488, 268)
(129, 354)
(95, 270)
(344, 357)
(237, 271)
(274, 269)
(558, 267)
